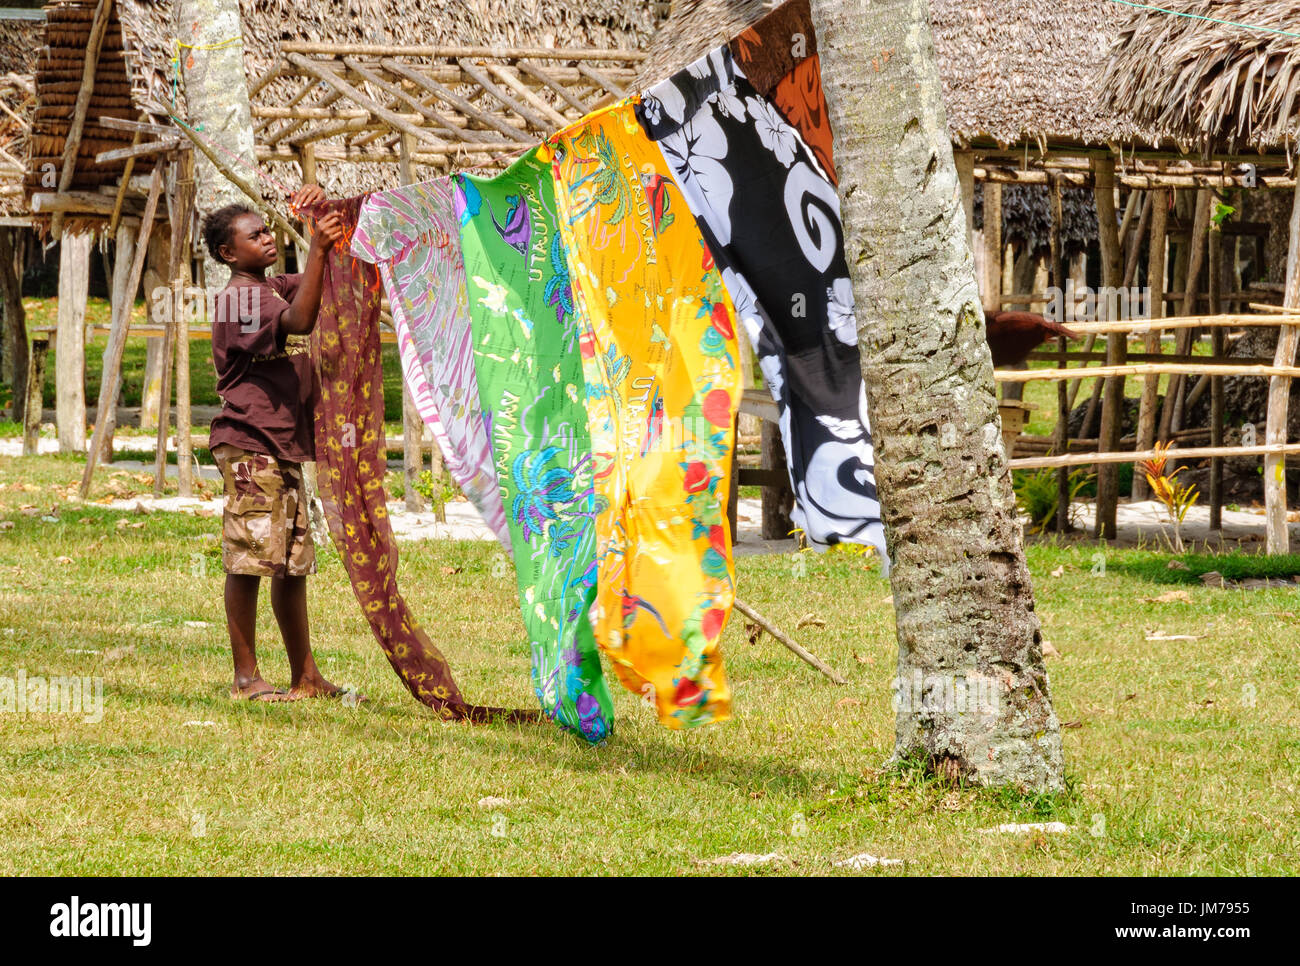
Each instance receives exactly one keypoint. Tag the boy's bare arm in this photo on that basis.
(300, 317)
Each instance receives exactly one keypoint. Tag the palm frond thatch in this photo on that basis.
(1209, 85)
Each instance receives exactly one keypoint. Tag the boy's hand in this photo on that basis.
(306, 196)
(328, 230)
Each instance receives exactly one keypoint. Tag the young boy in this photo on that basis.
(263, 434)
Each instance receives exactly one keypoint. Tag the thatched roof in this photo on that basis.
(145, 39)
(1017, 71)
(1210, 86)
(19, 39)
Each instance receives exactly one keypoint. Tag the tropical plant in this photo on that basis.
(1177, 497)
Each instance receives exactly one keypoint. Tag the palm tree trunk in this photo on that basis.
(962, 594)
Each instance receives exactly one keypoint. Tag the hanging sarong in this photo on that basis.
(412, 234)
(772, 219)
(531, 387)
(349, 429)
(778, 56)
(663, 387)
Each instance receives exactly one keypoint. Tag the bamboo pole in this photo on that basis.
(1175, 401)
(180, 256)
(1112, 409)
(1062, 435)
(242, 184)
(447, 52)
(1269, 451)
(805, 655)
(428, 113)
(1142, 326)
(1279, 393)
(992, 247)
(1142, 369)
(1218, 346)
(455, 100)
(1150, 401)
(991, 174)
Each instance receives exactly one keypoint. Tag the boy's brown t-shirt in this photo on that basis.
(267, 384)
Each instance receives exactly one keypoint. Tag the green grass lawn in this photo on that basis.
(203, 377)
(1182, 756)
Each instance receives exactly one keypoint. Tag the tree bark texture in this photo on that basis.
(216, 99)
(962, 596)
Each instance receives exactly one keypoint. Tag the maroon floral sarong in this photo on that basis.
(350, 472)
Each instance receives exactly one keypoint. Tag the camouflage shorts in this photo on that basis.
(264, 529)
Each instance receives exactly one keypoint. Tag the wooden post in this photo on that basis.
(1188, 337)
(1218, 402)
(1055, 257)
(1191, 280)
(181, 252)
(126, 279)
(1279, 394)
(15, 322)
(1146, 431)
(122, 300)
(778, 501)
(1112, 410)
(70, 342)
(965, 161)
(307, 161)
(992, 247)
(156, 263)
(35, 395)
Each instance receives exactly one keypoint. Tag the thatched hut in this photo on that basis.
(134, 76)
(20, 31)
(1213, 86)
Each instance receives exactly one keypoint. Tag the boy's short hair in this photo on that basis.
(217, 225)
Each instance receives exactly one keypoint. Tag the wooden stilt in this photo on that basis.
(1218, 338)
(113, 352)
(1277, 540)
(181, 253)
(1146, 429)
(35, 395)
(70, 342)
(1062, 435)
(1112, 410)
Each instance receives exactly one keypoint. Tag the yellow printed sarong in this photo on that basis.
(661, 364)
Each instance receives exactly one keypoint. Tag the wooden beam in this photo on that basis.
(451, 53)
(72, 143)
(351, 93)
(603, 79)
(76, 202)
(393, 90)
(1277, 539)
(139, 151)
(239, 182)
(455, 100)
(1112, 408)
(545, 77)
(1270, 451)
(1142, 369)
(481, 78)
(511, 80)
(116, 347)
